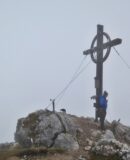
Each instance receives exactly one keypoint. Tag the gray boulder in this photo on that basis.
(106, 138)
(107, 145)
(66, 141)
(46, 128)
(121, 131)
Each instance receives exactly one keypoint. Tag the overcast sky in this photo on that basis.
(42, 44)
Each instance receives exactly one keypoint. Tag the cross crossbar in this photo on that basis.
(105, 45)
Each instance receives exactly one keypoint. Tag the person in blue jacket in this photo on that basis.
(101, 108)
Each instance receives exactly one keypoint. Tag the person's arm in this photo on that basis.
(93, 97)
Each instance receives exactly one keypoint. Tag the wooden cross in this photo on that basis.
(98, 56)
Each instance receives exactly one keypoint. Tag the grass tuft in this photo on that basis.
(20, 152)
(101, 157)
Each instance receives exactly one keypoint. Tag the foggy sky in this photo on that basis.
(42, 44)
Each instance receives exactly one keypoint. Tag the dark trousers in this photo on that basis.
(101, 113)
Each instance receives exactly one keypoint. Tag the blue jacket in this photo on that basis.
(103, 102)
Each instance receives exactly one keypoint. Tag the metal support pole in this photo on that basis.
(53, 104)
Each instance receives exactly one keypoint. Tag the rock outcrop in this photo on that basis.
(61, 130)
(46, 128)
(121, 131)
(107, 145)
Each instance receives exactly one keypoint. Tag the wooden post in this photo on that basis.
(99, 66)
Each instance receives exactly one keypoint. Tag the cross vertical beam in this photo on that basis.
(99, 66)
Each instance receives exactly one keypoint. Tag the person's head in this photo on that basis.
(105, 93)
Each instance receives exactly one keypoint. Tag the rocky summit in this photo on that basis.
(80, 137)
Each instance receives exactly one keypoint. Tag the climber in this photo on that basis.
(101, 108)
